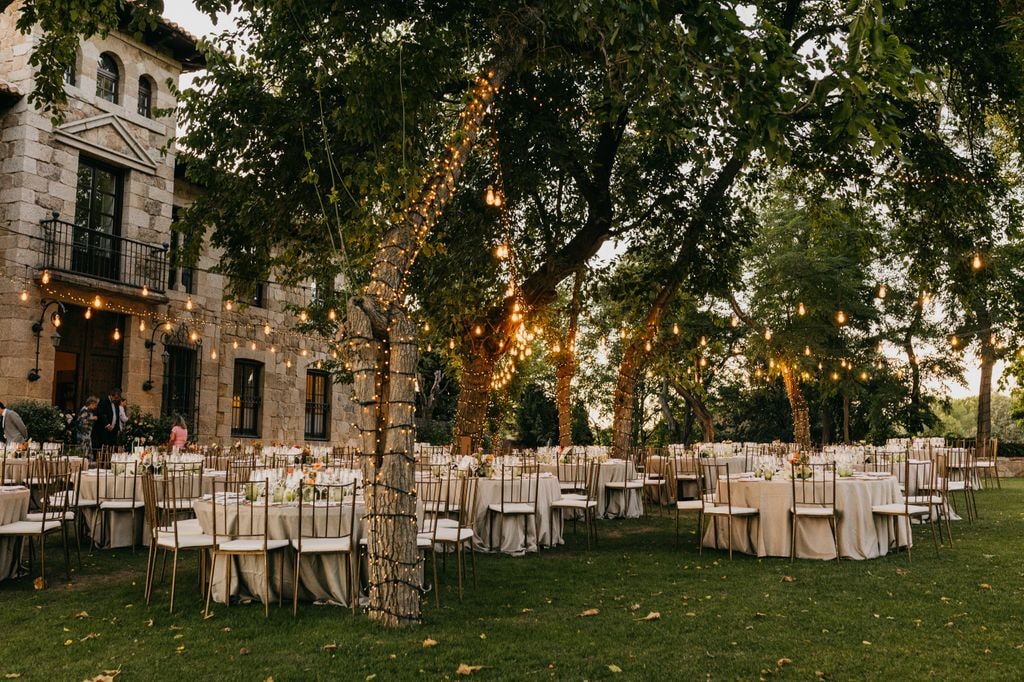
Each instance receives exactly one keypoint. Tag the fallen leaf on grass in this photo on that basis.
(429, 643)
(225, 630)
(614, 668)
(68, 642)
(901, 571)
(149, 623)
(985, 586)
(243, 651)
(330, 647)
(39, 583)
(464, 669)
(179, 649)
(589, 612)
(634, 607)
(783, 662)
(527, 610)
(91, 635)
(866, 643)
(653, 615)
(788, 579)
(82, 614)
(11, 676)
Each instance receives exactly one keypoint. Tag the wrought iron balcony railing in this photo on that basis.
(101, 255)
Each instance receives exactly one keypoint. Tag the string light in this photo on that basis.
(801, 310)
(188, 303)
(24, 295)
(332, 315)
(807, 350)
(194, 336)
(767, 334)
(266, 329)
(167, 325)
(501, 251)
(841, 317)
(703, 362)
(117, 334)
(303, 316)
(675, 329)
(976, 262)
(228, 305)
(97, 302)
(142, 325)
(145, 290)
(56, 320)
(234, 345)
(478, 330)
(703, 341)
(45, 279)
(88, 313)
(253, 345)
(954, 341)
(882, 290)
(213, 354)
(647, 346)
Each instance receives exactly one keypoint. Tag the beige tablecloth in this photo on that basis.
(862, 535)
(512, 542)
(17, 470)
(321, 577)
(737, 464)
(611, 506)
(13, 507)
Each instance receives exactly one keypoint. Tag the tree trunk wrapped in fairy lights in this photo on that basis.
(474, 399)
(565, 369)
(798, 406)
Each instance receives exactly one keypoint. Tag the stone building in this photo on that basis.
(89, 299)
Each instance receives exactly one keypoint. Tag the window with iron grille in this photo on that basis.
(247, 398)
(107, 77)
(318, 405)
(179, 245)
(145, 97)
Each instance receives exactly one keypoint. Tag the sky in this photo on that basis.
(184, 13)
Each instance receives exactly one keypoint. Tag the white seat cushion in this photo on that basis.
(573, 503)
(169, 504)
(185, 527)
(424, 541)
(86, 503)
(453, 534)
(655, 480)
(984, 463)
(570, 485)
(29, 527)
(431, 506)
(513, 508)
(689, 505)
(820, 512)
(686, 477)
(898, 508)
(323, 545)
(573, 496)
(632, 484)
(251, 545)
(166, 539)
(122, 504)
(723, 510)
(956, 486)
(925, 499)
(447, 523)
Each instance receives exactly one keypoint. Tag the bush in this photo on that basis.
(146, 428)
(43, 421)
(434, 431)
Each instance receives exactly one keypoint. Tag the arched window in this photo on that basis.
(107, 78)
(146, 96)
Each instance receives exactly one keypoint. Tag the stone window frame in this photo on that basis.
(246, 405)
(148, 82)
(317, 404)
(105, 75)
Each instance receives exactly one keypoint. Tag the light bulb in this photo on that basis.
(188, 303)
(735, 321)
(703, 341)
(703, 362)
(841, 317)
(234, 345)
(117, 334)
(501, 251)
(954, 342)
(835, 376)
(88, 313)
(497, 198)
(647, 346)
(194, 336)
(675, 329)
(45, 279)
(56, 320)
(882, 291)
(331, 315)
(557, 348)
(304, 352)
(288, 364)
(167, 325)
(273, 349)
(976, 262)
(801, 310)
(489, 197)
(228, 305)
(213, 354)
(767, 334)
(142, 325)
(24, 295)
(97, 302)
(266, 329)
(253, 345)
(807, 350)
(478, 330)
(303, 316)
(451, 344)
(528, 351)
(145, 290)
(863, 376)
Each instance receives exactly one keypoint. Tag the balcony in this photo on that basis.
(95, 255)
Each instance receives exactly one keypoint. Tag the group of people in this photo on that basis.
(98, 424)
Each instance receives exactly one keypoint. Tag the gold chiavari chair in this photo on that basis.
(572, 472)
(659, 479)
(52, 487)
(961, 476)
(585, 504)
(459, 536)
(687, 463)
(987, 462)
(118, 492)
(904, 509)
(519, 486)
(814, 499)
(327, 521)
(716, 477)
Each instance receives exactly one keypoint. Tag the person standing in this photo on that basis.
(13, 428)
(179, 433)
(86, 420)
(108, 420)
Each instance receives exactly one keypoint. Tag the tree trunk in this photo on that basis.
(383, 355)
(474, 399)
(984, 425)
(566, 368)
(688, 424)
(798, 406)
(700, 411)
(826, 423)
(623, 402)
(671, 427)
(917, 409)
(846, 419)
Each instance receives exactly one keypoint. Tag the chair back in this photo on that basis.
(918, 477)
(574, 470)
(714, 482)
(52, 478)
(120, 484)
(467, 491)
(430, 494)
(240, 469)
(326, 511)
(813, 485)
(519, 484)
(240, 511)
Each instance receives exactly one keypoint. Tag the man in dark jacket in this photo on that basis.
(108, 424)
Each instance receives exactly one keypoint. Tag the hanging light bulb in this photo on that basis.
(430, 348)
(288, 363)
(273, 348)
(213, 354)
(807, 350)
(45, 279)
(56, 320)
(145, 290)
(703, 362)
(821, 366)
(489, 197)
(863, 376)
(478, 330)
(24, 295)
(194, 336)
(624, 333)
(954, 341)
(497, 199)
(675, 329)
(234, 345)
(767, 334)
(228, 304)
(501, 251)
(117, 334)
(142, 325)
(735, 321)
(451, 344)
(303, 316)
(703, 341)
(167, 325)
(835, 376)
(882, 290)
(253, 345)
(188, 303)
(266, 329)
(647, 346)
(801, 310)
(97, 302)
(557, 348)
(528, 352)
(88, 313)
(976, 262)
(332, 315)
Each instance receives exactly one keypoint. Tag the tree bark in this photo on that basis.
(916, 424)
(798, 407)
(624, 401)
(984, 424)
(846, 419)
(700, 411)
(566, 368)
(474, 399)
(383, 355)
(671, 427)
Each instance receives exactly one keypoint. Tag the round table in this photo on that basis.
(488, 492)
(13, 507)
(737, 464)
(862, 535)
(18, 469)
(321, 576)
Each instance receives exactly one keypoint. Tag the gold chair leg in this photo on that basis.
(174, 576)
(295, 586)
(209, 588)
(437, 585)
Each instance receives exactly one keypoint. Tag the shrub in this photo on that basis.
(145, 427)
(43, 421)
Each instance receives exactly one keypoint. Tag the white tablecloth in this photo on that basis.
(489, 492)
(862, 535)
(13, 507)
(612, 506)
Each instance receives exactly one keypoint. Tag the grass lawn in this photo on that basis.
(958, 615)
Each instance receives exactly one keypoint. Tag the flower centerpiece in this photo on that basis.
(478, 464)
(564, 455)
(801, 468)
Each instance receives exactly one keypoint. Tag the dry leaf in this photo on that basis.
(68, 642)
(429, 643)
(653, 615)
(225, 630)
(11, 676)
(590, 612)
(634, 607)
(614, 668)
(866, 643)
(330, 647)
(91, 635)
(901, 571)
(243, 651)
(464, 669)
(783, 662)
(527, 610)
(82, 614)
(788, 579)
(985, 586)
(149, 623)
(101, 678)
(39, 583)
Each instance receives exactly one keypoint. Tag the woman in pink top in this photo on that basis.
(179, 433)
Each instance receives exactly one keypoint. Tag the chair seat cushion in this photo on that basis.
(686, 477)
(447, 523)
(185, 503)
(432, 506)
(54, 516)
(453, 534)
(573, 503)
(570, 485)
(122, 504)
(424, 541)
(323, 545)
(86, 503)
(29, 527)
(166, 539)
(185, 527)
(723, 510)
(925, 499)
(984, 463)
(632, 484)
(898, 509)
(689, 505)
(956, 486)
(251, 545)
(655, 480)
(820, 512)
(573, 496)
(513, 508)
